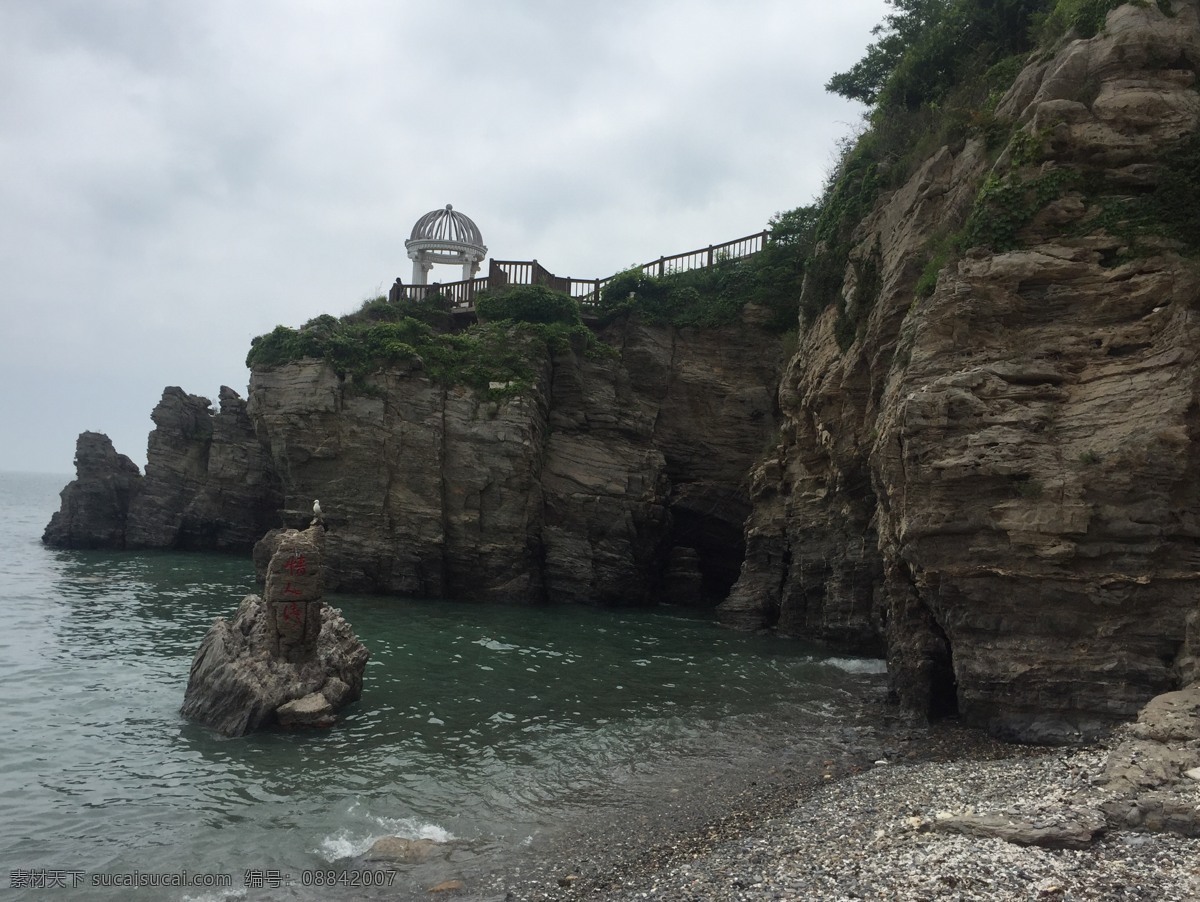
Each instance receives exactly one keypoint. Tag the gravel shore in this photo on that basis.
(874, 830)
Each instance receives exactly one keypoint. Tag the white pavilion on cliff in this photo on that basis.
(445, 237)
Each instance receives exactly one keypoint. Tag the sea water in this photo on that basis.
(495, 731)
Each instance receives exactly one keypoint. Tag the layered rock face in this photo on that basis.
(95, 506)
(575, 491)
(1001, 478)
(606, 476)
(209, 483)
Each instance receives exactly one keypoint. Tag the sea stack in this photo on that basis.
(286, 659)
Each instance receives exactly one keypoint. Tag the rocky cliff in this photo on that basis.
(95, 506)
(999, 479)
(612, 471)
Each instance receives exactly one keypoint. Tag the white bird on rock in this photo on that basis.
(317, 509)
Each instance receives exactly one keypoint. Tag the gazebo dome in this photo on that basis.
(445, 237)
(447, 225)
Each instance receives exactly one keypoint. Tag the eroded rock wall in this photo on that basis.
(95, 505)
(578, 490)
(1001, 478)
(619, 478)
(426, 490)
(208, 484)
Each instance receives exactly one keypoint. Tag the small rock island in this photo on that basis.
(287, 658)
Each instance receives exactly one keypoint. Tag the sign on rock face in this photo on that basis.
(295, 585)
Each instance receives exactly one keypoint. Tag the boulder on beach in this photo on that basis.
(286, 659)
(399, 849)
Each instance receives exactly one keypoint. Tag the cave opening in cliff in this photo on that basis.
(943, 685)
(706, 543)
(715, 564)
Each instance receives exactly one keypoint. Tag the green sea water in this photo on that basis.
(497, 731)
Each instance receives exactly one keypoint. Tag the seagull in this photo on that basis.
(317, 509)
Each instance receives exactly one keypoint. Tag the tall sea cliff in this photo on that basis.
(610, 479)
(980, 460)
(997, 470)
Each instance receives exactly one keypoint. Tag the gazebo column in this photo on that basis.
(470, 267)
(421, 269)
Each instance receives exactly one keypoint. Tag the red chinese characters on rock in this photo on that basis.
(294, 592)
(295, 565)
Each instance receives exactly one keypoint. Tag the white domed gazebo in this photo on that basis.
(445, 237)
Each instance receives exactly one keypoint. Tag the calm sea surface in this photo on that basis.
(496, 730)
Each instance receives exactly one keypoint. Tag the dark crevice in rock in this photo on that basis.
(943, 685)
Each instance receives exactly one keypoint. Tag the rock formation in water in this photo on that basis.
(286, 659)
(95, 505)
(999, 479)
(586, 488)
(209, 483)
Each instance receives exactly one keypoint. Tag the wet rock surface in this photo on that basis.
(400, 850)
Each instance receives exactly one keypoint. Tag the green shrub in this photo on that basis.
(1175, 203)
(868, 283)
(1084, 18)
(933, 76)
(850, 193)
(927, 283)
(433, 310)
(926, 48)
(375, 310)
(527, 304)
(505, 351)
(715, 296)
(1006, 203)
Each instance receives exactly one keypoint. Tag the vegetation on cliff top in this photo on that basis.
(521, 327)
(933, 77)
(714, 297)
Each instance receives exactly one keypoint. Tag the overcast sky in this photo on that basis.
(176, 178)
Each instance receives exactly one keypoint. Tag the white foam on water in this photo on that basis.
(493, 645)
(353, 843)
(410, 828)
(217, 895)
(858, 665)
(343, 844)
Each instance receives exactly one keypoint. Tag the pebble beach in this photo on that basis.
(874, 830)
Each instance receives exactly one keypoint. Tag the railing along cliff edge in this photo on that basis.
(586, 291)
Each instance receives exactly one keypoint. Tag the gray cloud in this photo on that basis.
(182, 177)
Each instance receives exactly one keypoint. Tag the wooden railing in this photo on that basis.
(460, 294)
(706, 257)
(586, 291)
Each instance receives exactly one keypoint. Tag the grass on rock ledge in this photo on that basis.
(520, 329)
